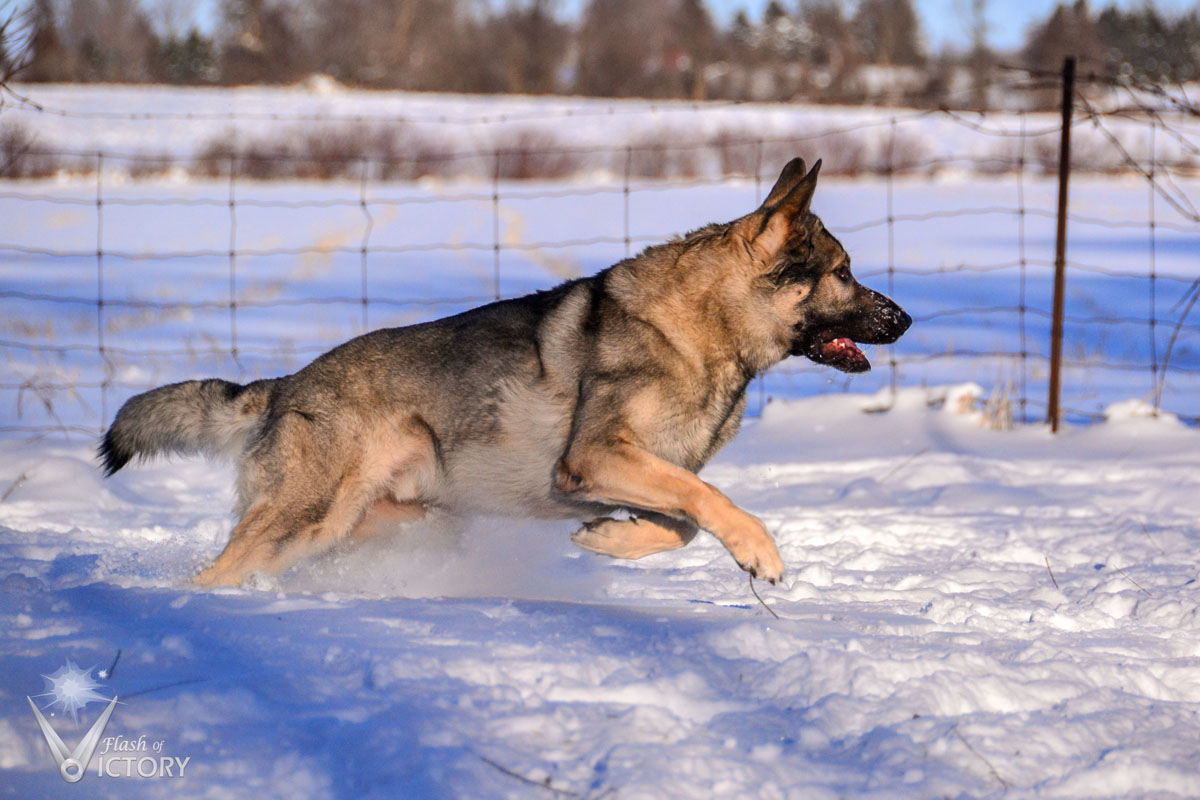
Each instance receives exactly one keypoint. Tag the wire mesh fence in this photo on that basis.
(125, 268)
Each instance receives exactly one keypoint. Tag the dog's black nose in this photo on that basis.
(903, 322)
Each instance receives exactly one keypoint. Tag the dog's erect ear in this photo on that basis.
(792, 174)
(780, 216)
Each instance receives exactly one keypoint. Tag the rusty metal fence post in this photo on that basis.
(1053, 414)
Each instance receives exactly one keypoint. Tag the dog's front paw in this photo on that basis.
(628, 538)
(595, 535)
(765, 565)
(755, 551)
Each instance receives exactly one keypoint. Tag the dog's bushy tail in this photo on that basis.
(213, 417)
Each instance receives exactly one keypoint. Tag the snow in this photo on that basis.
(967, 613)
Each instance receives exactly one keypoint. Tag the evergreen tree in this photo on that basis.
(1143, 45)
(773, 13)
(189, 60)
(1069, 31)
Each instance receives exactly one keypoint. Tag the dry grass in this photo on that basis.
(20, 157)
(404, 152)
(841, 154)
(663, 155)
(998, 412)
(536, 154)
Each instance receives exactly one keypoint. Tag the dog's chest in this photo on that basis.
(697, 424)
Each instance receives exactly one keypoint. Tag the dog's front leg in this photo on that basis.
(626, 475)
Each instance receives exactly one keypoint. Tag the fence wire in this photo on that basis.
(68, 375)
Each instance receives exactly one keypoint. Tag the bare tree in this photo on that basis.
(626, 50)
(981, 61)
(529, 46)
(888, 32)
(399, 44)
(833, 55)
(109, 40)
(47, 57)
(696, 38)
(173, 17)
(259, 42)
(14, 41)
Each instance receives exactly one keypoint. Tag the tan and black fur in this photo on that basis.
(605, 393)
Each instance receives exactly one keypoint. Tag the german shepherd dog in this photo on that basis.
(604, 394)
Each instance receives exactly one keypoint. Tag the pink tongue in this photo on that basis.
(839, 348)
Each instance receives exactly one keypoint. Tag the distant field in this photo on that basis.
(147, 130)
(430, 253)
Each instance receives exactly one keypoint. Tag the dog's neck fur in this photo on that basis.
(697, 295)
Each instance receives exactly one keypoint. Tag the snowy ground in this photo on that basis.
(923, 648)
(967, 613)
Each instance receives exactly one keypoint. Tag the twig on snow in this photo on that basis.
(988, 764)
(8, 492)
(526, 779)
(755, 593)
(905, 463)
(1051, 572)
(1151, 538)
(1131, 580)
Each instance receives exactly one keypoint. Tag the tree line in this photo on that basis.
(814, 50)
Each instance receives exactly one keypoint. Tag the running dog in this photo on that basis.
(604, 394)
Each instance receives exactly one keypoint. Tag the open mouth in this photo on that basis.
(838, 352)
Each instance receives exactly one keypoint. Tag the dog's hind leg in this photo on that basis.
(634, 538)
(315, 508)
(272, 536)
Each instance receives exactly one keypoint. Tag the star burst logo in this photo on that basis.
(71, 689)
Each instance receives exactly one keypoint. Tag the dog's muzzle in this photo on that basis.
(877, 320)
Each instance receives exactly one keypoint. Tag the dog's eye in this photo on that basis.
(843, 274)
